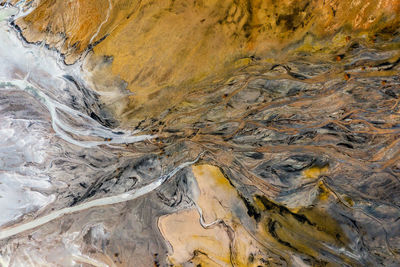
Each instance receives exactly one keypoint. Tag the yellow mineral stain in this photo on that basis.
(315, 171)
(349, 201)
(324, 191)
(242, 62)
(307, 230)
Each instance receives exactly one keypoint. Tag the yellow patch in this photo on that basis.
(324, 195)
(315, 171)
(242, 62)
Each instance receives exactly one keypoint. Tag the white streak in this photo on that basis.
(101, 25)
(130, 195)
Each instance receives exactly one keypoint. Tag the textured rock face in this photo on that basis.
(156, 45)
(199, 133)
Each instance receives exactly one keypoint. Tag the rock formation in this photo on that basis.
(269, 133)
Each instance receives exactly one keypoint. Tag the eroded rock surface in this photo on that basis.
(164, 48)
(199, 133)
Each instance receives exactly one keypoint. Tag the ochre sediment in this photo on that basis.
(158, 46)
(233, 236)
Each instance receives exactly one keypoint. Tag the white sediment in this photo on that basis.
(41, 73)
(7, 232)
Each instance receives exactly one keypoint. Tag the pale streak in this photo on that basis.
(101, 25)
(88, 260)
(130, 195)
(61, 129)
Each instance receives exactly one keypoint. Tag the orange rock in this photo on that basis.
(159, 47)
